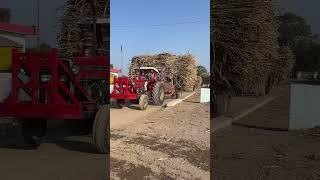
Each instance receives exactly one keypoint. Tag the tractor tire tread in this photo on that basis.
(101, 132)
(155, 94)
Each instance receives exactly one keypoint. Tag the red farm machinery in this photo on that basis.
(46, 86)
(148, 85)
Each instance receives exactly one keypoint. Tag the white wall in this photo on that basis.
(205, 95)
(304, 106)
(16, 38)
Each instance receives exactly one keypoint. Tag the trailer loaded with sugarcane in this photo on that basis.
(152, 78)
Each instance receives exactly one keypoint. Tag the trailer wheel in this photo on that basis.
(101, 132)
(157, 94)
(33, 130)
(143, 102)
(119, 104)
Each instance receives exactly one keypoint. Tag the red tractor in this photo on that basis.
(148, 85)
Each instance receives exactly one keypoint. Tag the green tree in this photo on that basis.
(45, 47)
(5, 15)
(292, 29)
(201, 70)
(296, 33)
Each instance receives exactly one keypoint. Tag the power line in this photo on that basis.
(157, 25)
(177, 18)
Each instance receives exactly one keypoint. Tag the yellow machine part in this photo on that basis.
(112, 78)
(5, 59)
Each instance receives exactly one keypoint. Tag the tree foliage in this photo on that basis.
(201, 70)
(293, 28)
(5, 15)
(296, 33)
(43, 48)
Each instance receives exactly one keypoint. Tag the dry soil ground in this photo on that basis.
(164, 143)
(62, 156)
(244, 153)
(160, 143)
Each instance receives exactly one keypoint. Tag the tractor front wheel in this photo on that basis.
(143, 102)
(101, 131)
(33, 130)
(158, 94)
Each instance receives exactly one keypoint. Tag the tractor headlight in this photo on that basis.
(75, 69)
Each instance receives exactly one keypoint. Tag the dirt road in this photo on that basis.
(165, 143)
(246, 153)
(120, 118)
(61, 157)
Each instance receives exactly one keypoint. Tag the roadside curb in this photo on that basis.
(227, 120)
(177, 101)
(222, 122)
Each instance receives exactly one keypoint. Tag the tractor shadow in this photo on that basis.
(128, 170)
(72, 138)
(62, 136)
(114, 105)
(11, 137)
(133, 107)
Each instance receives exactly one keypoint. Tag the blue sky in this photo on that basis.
(152, 26)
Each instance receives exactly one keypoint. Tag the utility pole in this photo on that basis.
(38, 25)
(94, 19)
(121, 59)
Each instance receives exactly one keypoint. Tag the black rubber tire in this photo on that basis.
(157, 94)
(101, 131)
(33, 130)
(178, 94)
(143, 102)
(119, 104)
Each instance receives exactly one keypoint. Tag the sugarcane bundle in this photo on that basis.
(244, 35)
(74, 27)
(186, 68)
(182, 67)
(163, 62)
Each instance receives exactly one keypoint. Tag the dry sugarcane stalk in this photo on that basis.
(74, 29)
(181, 66)
(246, 48)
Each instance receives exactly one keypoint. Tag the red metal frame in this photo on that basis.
(51, 103)
(113, 70)
(125, 89)
(18, 29)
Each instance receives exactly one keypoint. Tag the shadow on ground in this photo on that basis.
(127, 170)
(70, 139)
(179, 149)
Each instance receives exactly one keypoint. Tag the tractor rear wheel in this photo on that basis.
(157, 94)
(101, 131)
(33, 130)
(143, 102)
